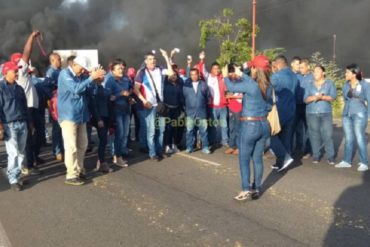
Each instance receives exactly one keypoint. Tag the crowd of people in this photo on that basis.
(223, 107)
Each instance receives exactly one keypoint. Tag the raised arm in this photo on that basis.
(27, 50)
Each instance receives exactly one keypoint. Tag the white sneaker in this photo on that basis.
(168, 150)
(343, 164)
(362, 167)
(286, 164)
(174, 148)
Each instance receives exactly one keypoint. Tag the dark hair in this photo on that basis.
(115, 62)
(305, 60)
(215, 64)
(321, 67)
(296, 58)
(355, 69)
(195, 69)
(263, 81)
(231, 68)
(71, 58)
(149, 54)
(281, 58)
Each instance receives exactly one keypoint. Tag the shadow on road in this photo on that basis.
(351, 224)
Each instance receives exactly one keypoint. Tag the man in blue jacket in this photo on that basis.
(196, 96)
(285, 84)
(73, 114)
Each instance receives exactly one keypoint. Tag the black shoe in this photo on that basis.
(156, 158)
(144, 150)
(16, 187)
(74, 181)
(39, 161)
(83, 177)
(35, 171)
(256, 195)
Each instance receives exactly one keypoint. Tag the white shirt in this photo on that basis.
(25, 81)
(157, 77)
(195, 86)
(214, 89)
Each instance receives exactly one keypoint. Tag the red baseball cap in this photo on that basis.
(131, 72)
(9, 66)
(16, 57)
(182, 71)
(261, 62)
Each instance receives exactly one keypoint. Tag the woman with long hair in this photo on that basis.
(254, 127)
(319, 94)
(355, 93)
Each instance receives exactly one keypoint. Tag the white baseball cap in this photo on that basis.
(82, 61)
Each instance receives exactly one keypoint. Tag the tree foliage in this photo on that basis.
(233, 37)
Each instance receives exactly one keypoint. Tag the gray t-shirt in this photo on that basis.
(25, 81)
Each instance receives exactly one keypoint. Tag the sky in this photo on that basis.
(130, 28)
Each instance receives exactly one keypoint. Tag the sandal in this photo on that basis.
(243, 196)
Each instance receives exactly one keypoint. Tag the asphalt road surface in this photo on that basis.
(187, 200)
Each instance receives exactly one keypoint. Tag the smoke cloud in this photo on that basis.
(130, 28)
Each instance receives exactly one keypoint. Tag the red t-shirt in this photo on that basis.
(235, 105)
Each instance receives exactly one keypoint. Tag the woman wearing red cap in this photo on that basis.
(254, 127)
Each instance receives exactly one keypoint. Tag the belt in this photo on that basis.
(253, 118)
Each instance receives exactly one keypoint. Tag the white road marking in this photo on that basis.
(199, 159)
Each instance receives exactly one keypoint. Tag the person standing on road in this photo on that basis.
(355, 93)
(73, 114)
(285, 84)
(254, 129)
(13, 122)
(318, 96)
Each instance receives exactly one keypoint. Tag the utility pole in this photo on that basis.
(334, 47)
(254, 3)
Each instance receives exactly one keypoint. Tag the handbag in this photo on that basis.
(161, 108)
(273, 117)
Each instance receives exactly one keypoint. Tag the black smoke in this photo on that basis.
(129, 28)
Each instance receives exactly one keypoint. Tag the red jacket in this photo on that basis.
(53, 109)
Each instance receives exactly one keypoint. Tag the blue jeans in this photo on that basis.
(354, 127)
(281, 143)
(320, 127)
(155, 126)
(253, 135)
(234, 122)
(57, 138)
(121, 135)
(15, 144)
(142, 127)
(302, 140)
(201, 124)
(172, 126)
(218, 121)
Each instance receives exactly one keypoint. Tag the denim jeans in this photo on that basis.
(57, 138)
(234, 122)
(15, 144)
(302, 141)
(201, 124)
(155, 126)
(218, 124)
(142, 127)
(320, 127)
(281, 143)
(253, 135)
(172, 126)
(121, 135)
(354, 127)
(103, 138)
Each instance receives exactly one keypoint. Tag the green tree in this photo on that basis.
(232, 36)
(334, 73)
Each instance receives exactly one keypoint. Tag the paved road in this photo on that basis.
(187, 201)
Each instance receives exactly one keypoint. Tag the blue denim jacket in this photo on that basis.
(13, 103)
(116, 87)
(254, 105)
(53, 74)
(328, 88)
(196, 103)
(356, 103)
(285, 83)
(303, 80)
(73, 97)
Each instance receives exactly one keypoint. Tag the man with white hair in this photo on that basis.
(73, 115)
